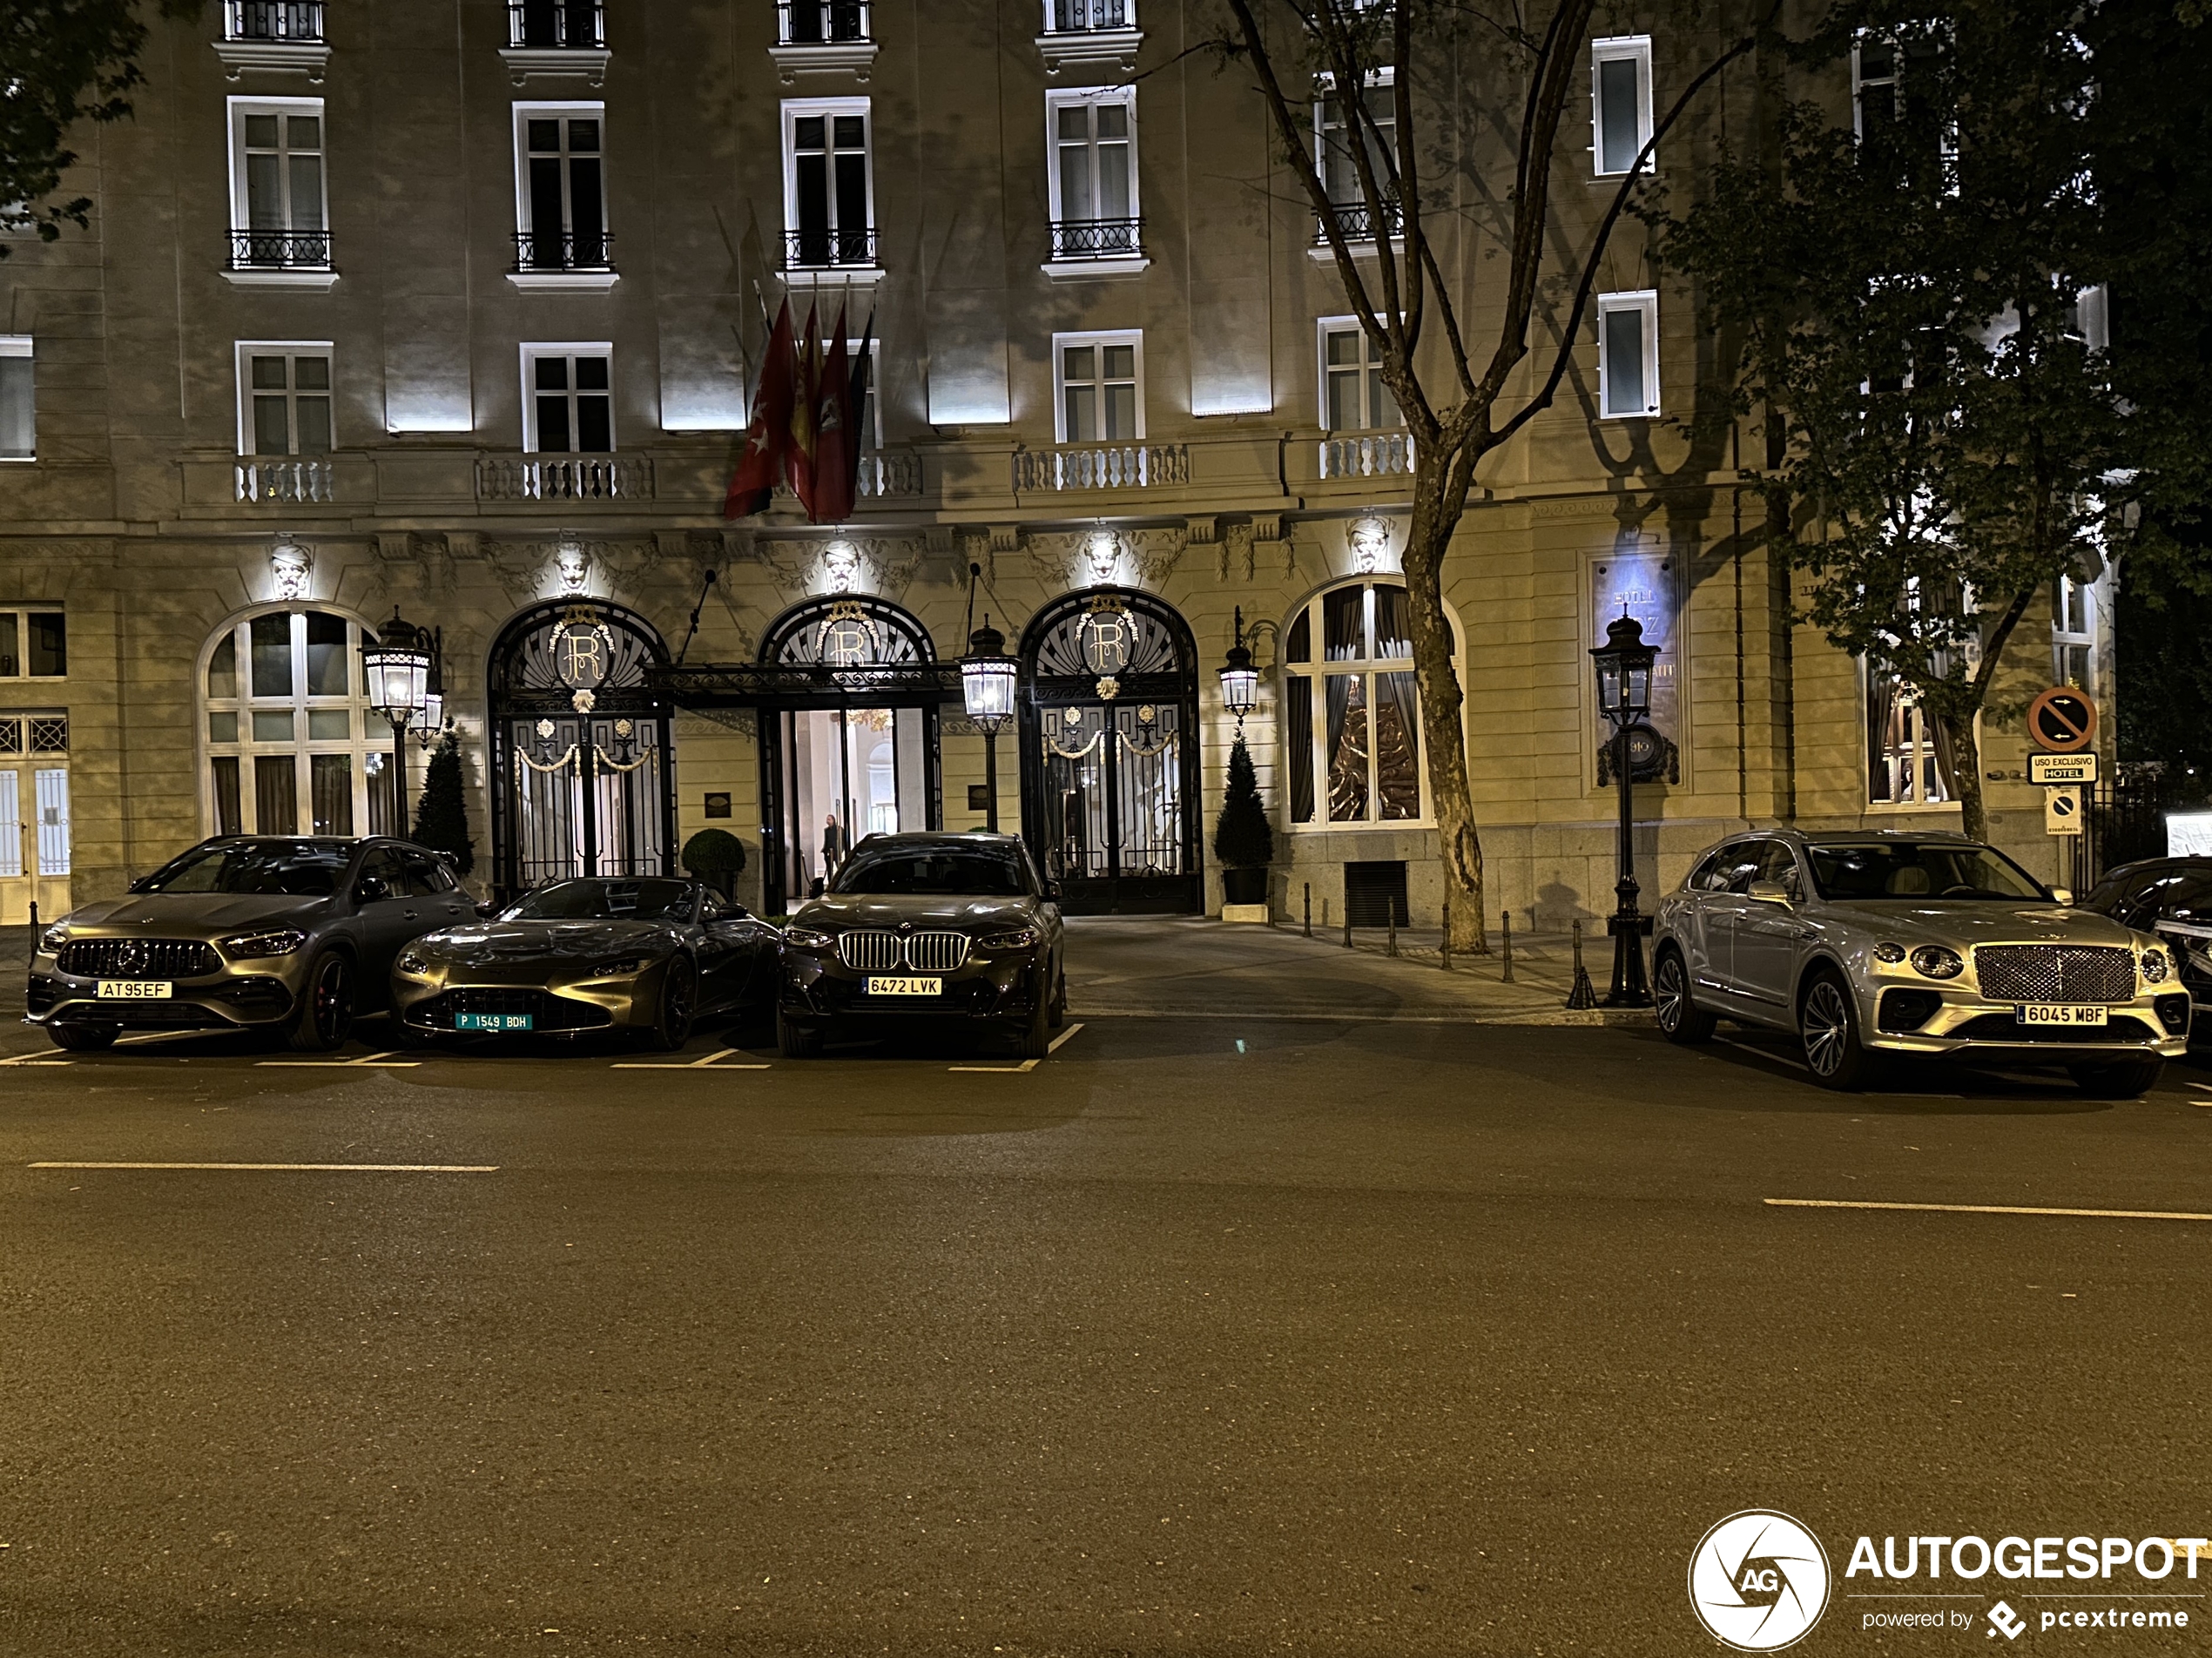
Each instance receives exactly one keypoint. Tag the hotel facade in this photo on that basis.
(452, 311)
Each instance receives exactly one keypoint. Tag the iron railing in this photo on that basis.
(897, 472)
(573, 25)
(280, 250)
(547, 250)
(1096, 238)
(1356, 222)
(285, 480)
(1102, 465)
(285, 20)
(827, 250)
(1375, 454)
(822, 23)
(565, 477)
(1088, 17)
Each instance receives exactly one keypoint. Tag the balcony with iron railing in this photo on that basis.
(1088, 16)
(1356, 221)
(273, 34)
(1097, 238)
(1101, 466)
(560, 259)
(814, 36)
(825, 248)
(1089, 34)
(556, 37)
(267, 258)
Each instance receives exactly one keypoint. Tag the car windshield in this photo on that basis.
(603, 900)
(272, 868)
(933, 872)
(1855, 872)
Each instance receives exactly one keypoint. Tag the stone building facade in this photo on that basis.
(451, 310)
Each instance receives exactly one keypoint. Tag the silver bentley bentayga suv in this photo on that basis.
(1871, 943)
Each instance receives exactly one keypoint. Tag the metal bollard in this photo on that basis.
(1390, 942)
(1506, 976)
(1309, 909)
(1583, 994)
(1347, 924)
(1446, 953)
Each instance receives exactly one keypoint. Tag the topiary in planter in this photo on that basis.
(441, 816)
(717, 857)
(1243, 839)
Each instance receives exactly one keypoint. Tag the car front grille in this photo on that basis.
(546, 1012)
(2055, 972)
(138, 959)
(879, 950)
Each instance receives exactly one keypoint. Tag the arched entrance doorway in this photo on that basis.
(1109, 752)
(581, 772)
(849, 695)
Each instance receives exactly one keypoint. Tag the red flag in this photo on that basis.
(836, 444)
(798, 461)
(754, 481)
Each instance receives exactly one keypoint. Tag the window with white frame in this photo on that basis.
(277, 200)
(1351, 713)
(18, 407)
(1099, 383)
(1628, 355)
(1336, 149)
(829, 185)
(1874, 81)
(1353, 397)
(292, 746)
(560, 187)
(34, 793)
(1088, 17)
(283, 397)
(2074, 634)
(568, 399)
(1620, 101)
(1092, 185)
(34, 643)
(1909, 755)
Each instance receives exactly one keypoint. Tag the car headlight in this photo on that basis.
(1933, 961)
(2154, 967)
(808, 938)
(1018, 937)
(254, 947)
(414, 964)
(626, 967)
(54, 937)
(1890, 952)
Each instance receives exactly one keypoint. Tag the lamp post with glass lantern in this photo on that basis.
(1624, 664)
(398, 669)
(1239, 680)
(987, 679)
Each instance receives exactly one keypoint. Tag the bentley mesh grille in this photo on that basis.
(2055, 972)
(138, 959)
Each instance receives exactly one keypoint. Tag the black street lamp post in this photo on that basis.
(1624, 664)
(987, 681)
(1239, 680)
(400, 670)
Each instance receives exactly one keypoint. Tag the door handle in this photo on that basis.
(410, 916)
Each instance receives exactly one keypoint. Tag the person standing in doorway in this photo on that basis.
(834, 847)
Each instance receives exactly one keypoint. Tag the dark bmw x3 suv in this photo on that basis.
(289, 934)
(925, 930)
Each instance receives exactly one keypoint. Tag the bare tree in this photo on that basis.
(1396, 286)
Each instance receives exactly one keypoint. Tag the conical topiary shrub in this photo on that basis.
(441, 817)
(1243, 839)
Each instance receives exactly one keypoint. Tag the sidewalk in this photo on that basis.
(1170, 967)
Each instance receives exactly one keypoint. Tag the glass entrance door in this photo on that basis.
(848, 773)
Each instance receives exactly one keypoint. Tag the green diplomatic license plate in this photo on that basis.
(493, 1021)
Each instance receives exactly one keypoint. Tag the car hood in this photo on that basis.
(964, 914)
(193, 915)
(1973, 921)
(492, 943)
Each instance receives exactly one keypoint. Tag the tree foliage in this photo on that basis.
(1409, 80)
(717, 857)
(441, 818)
(63, 62)
(1243, 839)
(1946, 428)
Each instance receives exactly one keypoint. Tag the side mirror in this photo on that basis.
(487, 908)
(371, 889)
(1766, 892)
(1052, 892)
(2062, 895)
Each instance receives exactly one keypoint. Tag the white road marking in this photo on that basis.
(384, 1059)
(35, 1059)
(306, 1168)
(1027, 1065)
(711, 1062)
(1062, 1037)
(1987, 1208)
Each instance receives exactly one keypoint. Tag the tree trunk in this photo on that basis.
(1443, 728)
(1966, 758)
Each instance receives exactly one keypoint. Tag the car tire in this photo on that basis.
(679, 1006)
(794, 1041)
(1059, 1015)
(2126, 1079)
(325, 1016)
(1828, 1028)
(84, 1039)
(1036, 1037)
(1680, 1019)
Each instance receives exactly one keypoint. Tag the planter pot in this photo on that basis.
(1245, 885)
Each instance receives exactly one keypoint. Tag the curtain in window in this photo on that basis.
(377, 768)
(1344, 624)
(1881, 709)
(330, 787)
(227, 821)
(1297, 701)
(1944, 784)
(276, 790)
(1347, 696)
(10, 827)
(1398, 778)
(1394, 624)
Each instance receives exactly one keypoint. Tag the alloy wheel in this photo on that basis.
(333, 994)
(1826, 1026)
(1673, 995)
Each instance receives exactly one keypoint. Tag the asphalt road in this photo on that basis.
(1219, 1335)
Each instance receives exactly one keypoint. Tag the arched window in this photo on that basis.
(1352, 717)
(292, 746)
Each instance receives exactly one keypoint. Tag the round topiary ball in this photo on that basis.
(717, 857)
